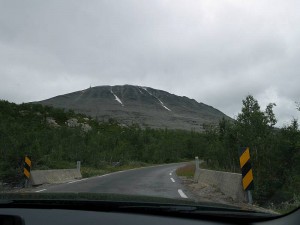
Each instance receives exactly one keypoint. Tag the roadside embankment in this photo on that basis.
(39, 177)
(217, 187)
(213, 186)
(230, 184)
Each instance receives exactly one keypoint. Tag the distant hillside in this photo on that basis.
(145, 106)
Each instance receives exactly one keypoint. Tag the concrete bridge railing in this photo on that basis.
(229, 184)
(39, 177)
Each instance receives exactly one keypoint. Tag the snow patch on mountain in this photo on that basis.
(116, 98)
(139, 90)
(147, 91)
(162, 104)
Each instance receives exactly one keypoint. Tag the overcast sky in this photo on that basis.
(216, 52)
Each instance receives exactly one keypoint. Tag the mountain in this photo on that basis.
(145, 106)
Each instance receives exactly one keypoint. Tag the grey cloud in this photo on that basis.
(215, 52)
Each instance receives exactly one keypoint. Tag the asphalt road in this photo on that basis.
(160, 181)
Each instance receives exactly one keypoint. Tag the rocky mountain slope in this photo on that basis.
(142, 105)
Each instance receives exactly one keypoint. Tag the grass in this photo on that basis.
(186, 171)
(286, 207)
(90, 171)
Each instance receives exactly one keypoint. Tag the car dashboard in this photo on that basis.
(45, 216)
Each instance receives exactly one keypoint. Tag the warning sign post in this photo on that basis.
(247, 173)
(27, 168)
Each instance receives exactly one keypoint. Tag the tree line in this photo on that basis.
(275, 153)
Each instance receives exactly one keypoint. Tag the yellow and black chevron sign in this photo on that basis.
(27, 166)
(247, 174)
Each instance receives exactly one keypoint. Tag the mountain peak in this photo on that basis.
(145, 106)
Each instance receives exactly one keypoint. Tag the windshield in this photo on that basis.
(151, 101)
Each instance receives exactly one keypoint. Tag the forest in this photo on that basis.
(55, 138)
